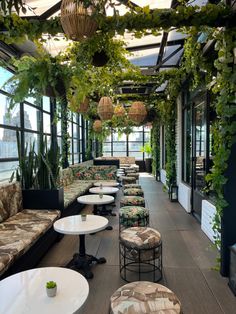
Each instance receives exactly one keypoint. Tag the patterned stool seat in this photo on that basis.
(140, 254)
(133, 216)
(132, 200)
(144, 297)
(133, 174)
(133, 191)
(132, 185)
(126, 179)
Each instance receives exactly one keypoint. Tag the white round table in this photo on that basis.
(74, 225)
(25, 292)
(106, 183)
(95, 199)
(104, 190)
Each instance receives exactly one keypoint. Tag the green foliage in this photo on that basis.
(146, 149)
(51, 284)
(6, 6)
(155, 143)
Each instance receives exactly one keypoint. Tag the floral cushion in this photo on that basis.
(126, 180)
(132, 200)
(132, 185)
(10, 200)
(74, 190)
(97, 173)
(133, 216)
(66, 177)
(132, 174)
(133, 191)
(144, 297)
(19, 232)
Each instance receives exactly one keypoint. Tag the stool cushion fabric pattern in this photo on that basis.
(144, 297)
(132, 200)
(133, 216)
(132, 185)
(133, 191)
(126, 179)
(140, 237)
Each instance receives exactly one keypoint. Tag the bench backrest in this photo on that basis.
(10, 200)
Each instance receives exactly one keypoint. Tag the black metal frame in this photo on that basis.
(148, 269)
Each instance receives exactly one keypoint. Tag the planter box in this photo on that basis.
(43, 199)
(148, 165)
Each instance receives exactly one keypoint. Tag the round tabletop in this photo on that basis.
(75, 225)
(95, 199)
(25, 292)
(104, 190)
(106, 183)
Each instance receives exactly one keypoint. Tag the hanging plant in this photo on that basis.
(100, 58)
(105, 108)
(119, 111)
(97, 126)
(76, 19)
(137, 112)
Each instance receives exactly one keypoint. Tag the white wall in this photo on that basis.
(163, 176)
(208, 213)
(184, 196)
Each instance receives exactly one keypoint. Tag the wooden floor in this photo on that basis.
(188, 259)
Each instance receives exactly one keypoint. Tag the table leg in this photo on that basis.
(82, 260)
(98, 212)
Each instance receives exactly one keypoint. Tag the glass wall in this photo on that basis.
(127, 145)
(32, 119)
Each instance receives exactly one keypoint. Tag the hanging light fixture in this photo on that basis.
(137, 112)
(76, 20)
(84, 105)
(119, 111)
(105, 109)
(97, 126)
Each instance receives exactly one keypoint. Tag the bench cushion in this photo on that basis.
(19, 232)
(74, 190)
(97, 173)
(10, 200)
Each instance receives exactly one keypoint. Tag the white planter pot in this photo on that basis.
(51, 292)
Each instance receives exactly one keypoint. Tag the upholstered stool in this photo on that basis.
(133, 216)
(140, 254)
(133, 191)
(133, 174)
(125, 179)
(132, 201)
(132, 185)
(144, 297)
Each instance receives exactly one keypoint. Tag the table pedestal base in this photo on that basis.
(83, 263)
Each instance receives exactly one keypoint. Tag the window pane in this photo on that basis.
(138, 136)
(59, 143)
(108, 139)
(30, 138)
(6, 169)
(46, 103)
(116, 137)
(119, 146)
(106, 154)
(75, 144)
(59, 127)
(76, 158)
(75, 130)
(31, 118)
(139, 128)
(119, 154)
(146, 137)
(4, 76)
(107, 146)
(137, 155)
(8, 143)
(135, 146)
(11, 118)
(46, 123)
(70, 128)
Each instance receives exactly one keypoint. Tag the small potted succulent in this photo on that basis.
(83, 217)
(51, 288)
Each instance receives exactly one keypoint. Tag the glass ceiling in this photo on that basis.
(144, 51)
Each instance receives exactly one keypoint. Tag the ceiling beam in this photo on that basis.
(55, 8)
(156, 45)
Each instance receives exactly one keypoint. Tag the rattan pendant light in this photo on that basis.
(137, 112)
(83, 107)
(97, 126)
(119, 111)
(105, 109)
(76, 20)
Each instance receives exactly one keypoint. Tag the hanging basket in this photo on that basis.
(100, 58)
(105, 109)
(76, 20)
(119, 111)
(83, 107)
(137, 112)
(97, 126)
(55, 91)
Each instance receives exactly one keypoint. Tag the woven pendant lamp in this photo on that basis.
(76, 20)
(97, 126)
(83, 107)
(105, 109)
(137, 112)
(119, 111)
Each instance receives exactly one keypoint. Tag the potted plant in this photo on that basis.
(51, 288)
(83, 217)
(147, 149)
(38, 174)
